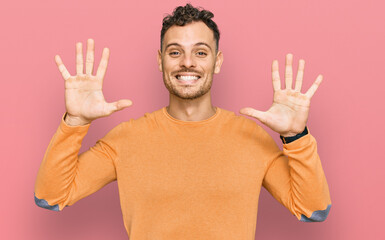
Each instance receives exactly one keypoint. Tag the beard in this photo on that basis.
(186, 91)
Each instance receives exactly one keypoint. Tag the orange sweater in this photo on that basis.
(185, 180)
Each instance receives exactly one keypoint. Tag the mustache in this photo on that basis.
(185, 70)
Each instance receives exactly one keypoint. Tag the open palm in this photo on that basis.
(83, 92)
(290, 109)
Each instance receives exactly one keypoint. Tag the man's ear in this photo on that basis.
(160, 60)
(218, 62)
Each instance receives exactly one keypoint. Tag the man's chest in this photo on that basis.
(198, 167)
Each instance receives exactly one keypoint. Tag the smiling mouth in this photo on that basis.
(187, 77)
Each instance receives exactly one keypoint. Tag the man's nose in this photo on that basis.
(187, 61)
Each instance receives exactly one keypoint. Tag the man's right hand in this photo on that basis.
(84, 98)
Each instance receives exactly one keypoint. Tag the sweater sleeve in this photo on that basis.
(65, 176)
(296, 179)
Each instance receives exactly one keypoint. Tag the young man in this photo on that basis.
(189, 170)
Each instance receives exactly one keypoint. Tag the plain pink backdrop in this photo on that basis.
(343, 40)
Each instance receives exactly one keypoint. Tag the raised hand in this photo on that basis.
(290, 109)
(84, 98)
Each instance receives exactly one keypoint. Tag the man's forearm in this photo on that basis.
(58, 167)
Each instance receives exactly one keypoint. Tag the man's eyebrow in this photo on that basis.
(172, 44)
(202, 43)
(178, 45)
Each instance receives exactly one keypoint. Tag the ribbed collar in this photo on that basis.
(181, 122)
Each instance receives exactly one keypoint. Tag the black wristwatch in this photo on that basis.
(286, 140)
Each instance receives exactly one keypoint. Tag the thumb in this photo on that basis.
(261, 116)
(119, 105)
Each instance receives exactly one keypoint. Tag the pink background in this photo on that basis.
(344, 40)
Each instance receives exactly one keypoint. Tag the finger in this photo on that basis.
(62, 68)
(90, 56)
(289, 71)
(275, 76)
(101, 72)
(299, 78)
(261, 116)
(314, 86)
(79, 58)
(119, 105)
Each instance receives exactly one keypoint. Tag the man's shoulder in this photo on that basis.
(133, 127)
(147, 119)
(234, 118)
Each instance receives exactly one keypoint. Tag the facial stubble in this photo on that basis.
(200, 92)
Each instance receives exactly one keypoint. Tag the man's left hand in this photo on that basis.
(290, 109)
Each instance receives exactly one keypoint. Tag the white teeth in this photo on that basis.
(187, 78)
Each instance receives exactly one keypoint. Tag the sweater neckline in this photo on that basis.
(181, 122)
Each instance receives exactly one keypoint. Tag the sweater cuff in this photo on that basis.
(287, 140)
(69, 129)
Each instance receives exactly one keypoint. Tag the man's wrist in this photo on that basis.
(73, 121)
(287, 140)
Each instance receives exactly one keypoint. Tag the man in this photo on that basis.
(189, 170)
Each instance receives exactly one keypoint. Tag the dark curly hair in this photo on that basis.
(183, 15)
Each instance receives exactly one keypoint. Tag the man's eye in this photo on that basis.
(201, 53)
(174, 53)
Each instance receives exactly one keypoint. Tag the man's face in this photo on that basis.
(188, 60)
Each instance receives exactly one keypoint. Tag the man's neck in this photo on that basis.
(191, 110)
